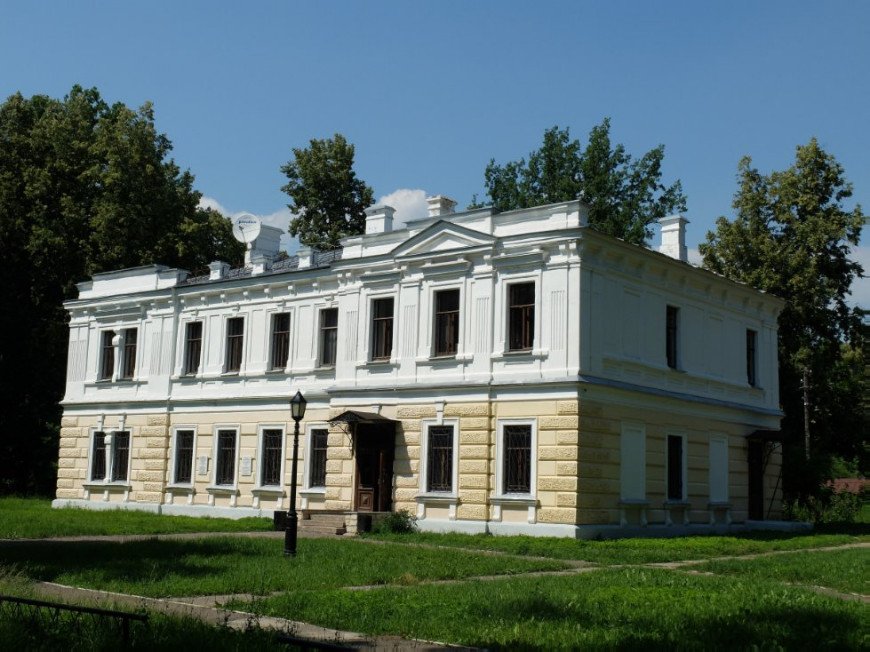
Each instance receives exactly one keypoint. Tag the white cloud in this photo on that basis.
(695, 257)
(280, 219)
(409, 204)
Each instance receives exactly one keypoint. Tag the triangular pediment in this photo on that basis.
(442, 237)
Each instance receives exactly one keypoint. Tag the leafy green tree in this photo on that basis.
(84, 187)
(328, 199)
(625, 196)
(791, 236)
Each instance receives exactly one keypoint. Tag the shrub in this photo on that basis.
(828, 507)
(401, 522)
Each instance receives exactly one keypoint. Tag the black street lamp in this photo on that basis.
(297, 411)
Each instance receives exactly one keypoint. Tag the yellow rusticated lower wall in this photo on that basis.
(577, 465)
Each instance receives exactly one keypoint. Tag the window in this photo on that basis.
(521, 316)
(446, 322)
(317, 463)
(632, 462)
(98, 457)
(280, 340)
(128, 360)
(675, 467)
(107, 356)
(110, 456)
(672, 334)
(120, 455)
(328, 336)
(235, 341)
(517, 459)
(225, 454)
(439, 459)
(183, 457)
(271, 456)
(751, 348)
(192, 347)
(382, 329)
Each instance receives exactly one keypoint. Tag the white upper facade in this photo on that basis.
(454, 303)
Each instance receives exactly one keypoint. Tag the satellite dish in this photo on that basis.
(246, 228)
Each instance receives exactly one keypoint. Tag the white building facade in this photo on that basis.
(510, 372)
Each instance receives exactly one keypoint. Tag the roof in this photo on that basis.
(291, 264)
(352, 416)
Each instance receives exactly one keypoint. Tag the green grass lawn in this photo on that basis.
(842, 570)
(747, 603)
(608, 608)
(34, 518)
(218, 565)
(632, 551)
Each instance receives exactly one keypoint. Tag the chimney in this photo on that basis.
(217, 269)
(305, 256)
(674, 237)
(379, 219)
(266, 244)
(440, 205)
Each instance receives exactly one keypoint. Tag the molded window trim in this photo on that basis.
(174, 481)
(216, 452)
(670, 440)
(261, 455)
(425, 453)
(500, 458)
(309, 457)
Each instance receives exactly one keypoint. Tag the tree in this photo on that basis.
(84, 187)
(791, 236)
(625, 197)
(327, 198)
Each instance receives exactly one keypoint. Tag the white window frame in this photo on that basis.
(308, 456)
(214, 447)
(245, 337)
(318, 334)
(683, 463)
(678, 337)
(628, 428)
(260, 458)
(270, 344)
(369, 324)
(425, 424)
(719, 438)
(122, 345)
(174, 456)
(434, 289)
(504, 322)
(180, 369)
(110, 456)
(499, 458)
(115, 357)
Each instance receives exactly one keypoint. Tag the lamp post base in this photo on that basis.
(290, 535)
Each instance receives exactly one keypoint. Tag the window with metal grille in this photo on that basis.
(107, 356)
(192, 347)
(439, 455)
(235, 342)
(751, 344)
(120, 455)
(446, 322)
(317, 470)
(273, 450)
(225, 464)
(672, 336)
(128, 360)
(675, 467)
(517, 459)
(183, 457)
(328, 336)
(382, 329)
(521, 316)
(280, 340)
(98, 457)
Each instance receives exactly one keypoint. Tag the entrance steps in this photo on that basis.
(330, 523)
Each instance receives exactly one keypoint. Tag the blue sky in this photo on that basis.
(429, 92)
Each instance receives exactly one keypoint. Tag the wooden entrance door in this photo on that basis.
(374, 445)
(756, 480)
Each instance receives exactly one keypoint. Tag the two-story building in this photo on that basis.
(506, 372)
